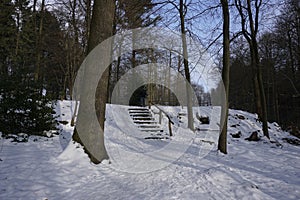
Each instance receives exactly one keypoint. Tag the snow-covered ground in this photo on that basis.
(55, 168)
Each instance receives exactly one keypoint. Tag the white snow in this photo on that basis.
(56, 168)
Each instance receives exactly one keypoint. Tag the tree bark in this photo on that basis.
(101, 29)
(251, 37)
(222, 143)
(186, 67)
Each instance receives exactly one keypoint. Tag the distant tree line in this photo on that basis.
(279, 56)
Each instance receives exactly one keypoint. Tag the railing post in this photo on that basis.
(160, 116)
(170, 128)
(169, 119)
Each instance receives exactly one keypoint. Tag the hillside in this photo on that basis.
(184, 166)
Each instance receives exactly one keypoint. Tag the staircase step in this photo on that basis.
(139, 111)
(152, 130)
(140, 114)
(148, 126)
(142, 118)
(157, 138)
(144, 122)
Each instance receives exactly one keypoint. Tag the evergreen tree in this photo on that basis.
(23, 109)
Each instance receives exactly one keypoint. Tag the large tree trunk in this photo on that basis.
(186, 68)
(222, 143)
(101, 29)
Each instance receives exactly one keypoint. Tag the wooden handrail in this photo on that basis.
(167, 115)
(169, 118)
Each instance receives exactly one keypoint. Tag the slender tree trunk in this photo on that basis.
(88, 20)
(263, 102)
(257, 97)
(118, 73)
(169, 79)
(74, 114)
(292, 60)
(39, 43)
(186, 67)
(34, 5)
(275, 97)
(18, 35)
(257, 65)
(251, 38)
(75, 52)
(222, 143)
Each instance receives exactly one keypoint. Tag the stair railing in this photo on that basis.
(170, 122)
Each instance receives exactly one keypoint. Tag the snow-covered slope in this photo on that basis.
(53, 168)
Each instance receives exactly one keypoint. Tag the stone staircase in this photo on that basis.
(142, 117)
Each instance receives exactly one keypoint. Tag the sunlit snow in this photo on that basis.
(56, 168)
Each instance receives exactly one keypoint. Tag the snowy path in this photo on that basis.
(258, 170)
(34, 173)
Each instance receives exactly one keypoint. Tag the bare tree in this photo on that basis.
(250, 25)
(222, 144)
(182, 10)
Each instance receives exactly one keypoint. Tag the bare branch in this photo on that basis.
(214, 41)
(204, 11)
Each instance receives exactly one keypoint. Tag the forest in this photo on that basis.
(43, 44)
(150, 99)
